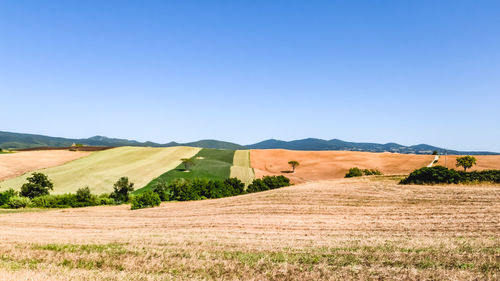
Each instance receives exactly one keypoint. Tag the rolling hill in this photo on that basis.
(15, 141)
(313, 144)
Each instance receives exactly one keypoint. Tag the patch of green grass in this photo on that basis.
(100, 170)
(21, 210)
(214, 164)
(112, 248)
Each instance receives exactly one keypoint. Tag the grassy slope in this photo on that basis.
(210, 164)
(101, 169)
(241, 167)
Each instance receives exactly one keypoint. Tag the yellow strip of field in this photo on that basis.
(100, 170)
(241, 166)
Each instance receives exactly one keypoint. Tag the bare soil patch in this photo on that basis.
(321, 165)
(16, 164)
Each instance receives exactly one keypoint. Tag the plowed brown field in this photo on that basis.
(483, 162)
(347, 229)
(320, 165)
(16, 164)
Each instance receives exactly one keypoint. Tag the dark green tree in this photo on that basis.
(187, 162)
(354, 172)
(466, 162)
(38, 184)
(294, 165)
(122, 189)
(83, 195)
(148, 199)
(161, 188)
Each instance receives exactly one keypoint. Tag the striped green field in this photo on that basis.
(241, 167)
(100, 170)
(214, 164)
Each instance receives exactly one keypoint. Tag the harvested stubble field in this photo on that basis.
(16, 164)
(101, 169)
(351, 229)
(322, 165)
(483, 162)
(241, 167)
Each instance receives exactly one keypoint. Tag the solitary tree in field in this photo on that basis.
(121, 191)
(294, 164)
(38, 184)
(187, 162)
(466, 162)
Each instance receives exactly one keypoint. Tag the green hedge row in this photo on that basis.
(440, 174)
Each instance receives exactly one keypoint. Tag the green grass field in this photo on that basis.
(210, 163)
(100, 170)
(241, 167)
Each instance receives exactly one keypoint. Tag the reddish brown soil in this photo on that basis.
(483, 162)
(18, 163)
(321, 165)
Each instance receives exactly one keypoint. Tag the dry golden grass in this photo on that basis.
(352, 229)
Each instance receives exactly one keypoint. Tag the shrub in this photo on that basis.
(145, 200)
(6, 195)
(161, 188)
(182, 190)
(16, 202)
(267, 183)
(440, 174)
(38, 184)
(354, 172)
(430, 175)
(84, 195)
(105, 200)
(237, 185)
(357, 172)
(256, 186)
(122, 189)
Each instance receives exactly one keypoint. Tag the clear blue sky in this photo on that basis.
(378, 71)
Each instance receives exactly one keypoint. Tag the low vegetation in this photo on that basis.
(199, 189)
(35, 194)
(147, 199)
(443, 175)
(357, 172)
(212, 164)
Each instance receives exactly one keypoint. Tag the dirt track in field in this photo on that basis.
(16, 164)
(322, 165)
(483, 162)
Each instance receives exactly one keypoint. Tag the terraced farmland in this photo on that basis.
(101, 169)
(241, 167)
(209, 163)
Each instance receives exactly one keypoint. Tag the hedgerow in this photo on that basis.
(440, 174)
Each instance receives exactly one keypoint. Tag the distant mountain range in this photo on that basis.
(336, 144)
(19, 141)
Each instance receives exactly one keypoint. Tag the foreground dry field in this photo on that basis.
(321, 165)
(16, 164)
(483, 162)
(349, 229)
